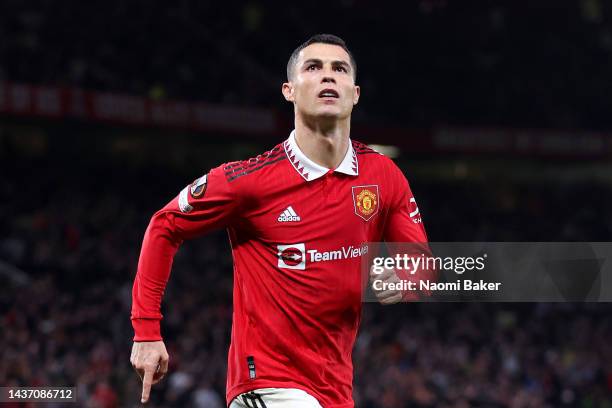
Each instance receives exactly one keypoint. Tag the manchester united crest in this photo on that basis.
(366, 200)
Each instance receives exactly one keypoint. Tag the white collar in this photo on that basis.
(310, 170)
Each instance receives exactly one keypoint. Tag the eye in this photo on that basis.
(340, 68)
(311, 67)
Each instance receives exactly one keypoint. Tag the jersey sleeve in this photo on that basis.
(404, 231)
(209, 203)
(404, 222)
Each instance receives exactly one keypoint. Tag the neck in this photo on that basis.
(324, 143)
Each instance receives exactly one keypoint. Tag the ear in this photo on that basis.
(356, 94)
(288, 91)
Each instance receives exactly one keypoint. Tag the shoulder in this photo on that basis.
(242, 169)
(366, 154)
(363, 149)
(380, 164)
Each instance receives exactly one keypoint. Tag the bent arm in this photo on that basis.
(160, 243)
(207, 204)
(405, 234)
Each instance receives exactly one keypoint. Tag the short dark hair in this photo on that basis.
(320, 39)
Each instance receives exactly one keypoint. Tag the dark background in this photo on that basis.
(76, 192)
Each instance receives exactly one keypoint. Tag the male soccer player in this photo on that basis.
(298, 218)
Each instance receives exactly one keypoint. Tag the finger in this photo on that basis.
(163, 364)
(146, 383)
(134, 360)
(387, 294)
(381, 275)
(161, 370)
(392, 279)
(383, 283)
(386, 285)
(157, 377)
(396, 298)
(386, 275)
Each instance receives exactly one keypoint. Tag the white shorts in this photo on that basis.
(275, 398)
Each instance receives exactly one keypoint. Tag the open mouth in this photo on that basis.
(328, 93)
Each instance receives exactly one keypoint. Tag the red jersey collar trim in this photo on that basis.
(310, 170)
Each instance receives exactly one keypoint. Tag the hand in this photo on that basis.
(150, 360)
(386, 297)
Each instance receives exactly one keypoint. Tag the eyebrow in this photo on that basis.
(335, 63)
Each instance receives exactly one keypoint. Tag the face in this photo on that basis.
(322, 84)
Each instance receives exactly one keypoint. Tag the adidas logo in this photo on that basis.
(289, 215)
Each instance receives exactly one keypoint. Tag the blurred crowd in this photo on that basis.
(70, 235)
(422, 62)
(70, 231)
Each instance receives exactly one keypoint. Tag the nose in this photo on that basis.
(327, 79)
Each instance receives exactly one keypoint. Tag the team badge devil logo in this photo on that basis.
(366, 200)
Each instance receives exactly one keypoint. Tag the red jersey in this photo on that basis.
(298, 231)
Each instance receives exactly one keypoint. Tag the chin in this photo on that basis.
(330, 112)
(327, 113)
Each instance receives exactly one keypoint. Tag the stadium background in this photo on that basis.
(500, 115)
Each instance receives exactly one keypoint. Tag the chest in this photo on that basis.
(331, 210)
